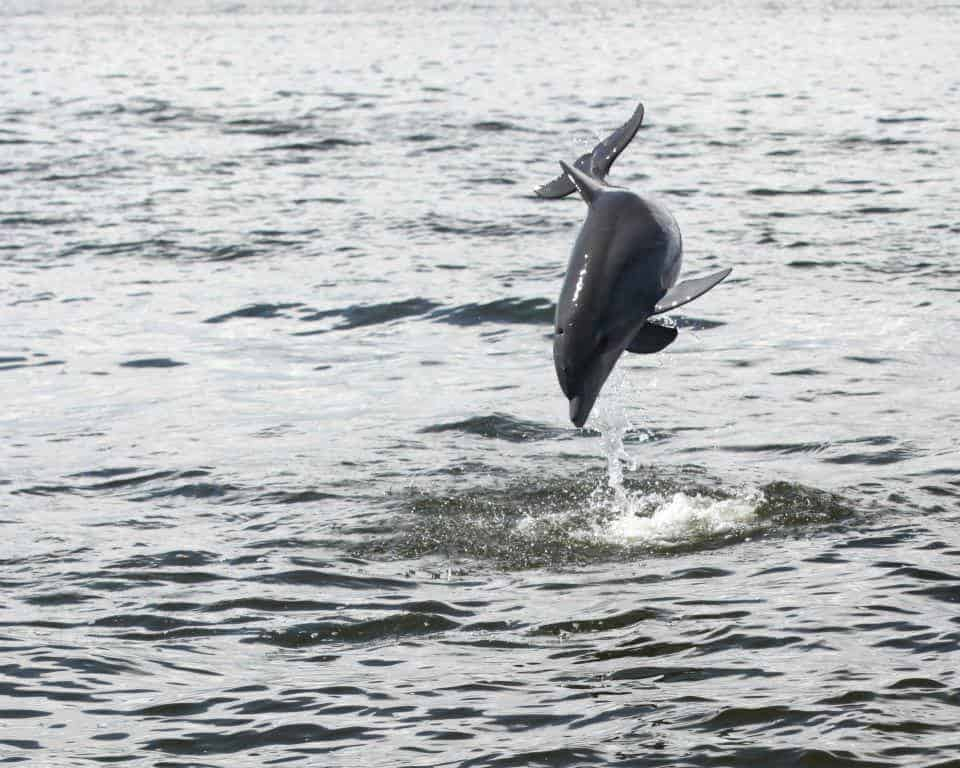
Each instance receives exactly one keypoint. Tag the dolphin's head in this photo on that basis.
(585, 350)
(589, 337)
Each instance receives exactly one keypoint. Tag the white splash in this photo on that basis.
(666, 521)
(656, 519)
(611, 419)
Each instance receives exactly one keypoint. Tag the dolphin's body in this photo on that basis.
(622, 271)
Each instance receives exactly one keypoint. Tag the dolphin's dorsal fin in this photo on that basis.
(688, 290)
(652, 337)
(597, 162)
(586, 185)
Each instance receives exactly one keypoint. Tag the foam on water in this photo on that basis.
(679, 518)
(653, 518)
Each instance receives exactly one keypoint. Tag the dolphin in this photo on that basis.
(597, 162)
(623, 271)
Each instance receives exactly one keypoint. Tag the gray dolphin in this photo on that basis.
(622, 271)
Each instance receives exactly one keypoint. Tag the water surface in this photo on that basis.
(286, 473)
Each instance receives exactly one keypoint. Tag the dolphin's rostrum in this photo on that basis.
(622, 271)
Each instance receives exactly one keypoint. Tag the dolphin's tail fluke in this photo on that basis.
(598, 162)
(562, 186)
(688, 290)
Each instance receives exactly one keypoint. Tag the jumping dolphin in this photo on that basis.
(622, 271)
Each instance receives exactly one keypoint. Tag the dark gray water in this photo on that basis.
(286, 473)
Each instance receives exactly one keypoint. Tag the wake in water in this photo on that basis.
(592, 516)
(564, 521)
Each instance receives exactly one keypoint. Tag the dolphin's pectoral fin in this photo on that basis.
(688, 290)
(597, 162)
(652, 338)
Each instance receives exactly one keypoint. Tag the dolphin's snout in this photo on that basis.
(578, 411)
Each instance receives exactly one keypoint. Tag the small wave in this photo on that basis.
(263, 311)
(800, 372)
(328, 579)
(179, 558)
(325, 200)
(152, 362)
(109, 172)
(768, 192)
(388, 628)
(495, 180)
(115, 478)
(257, 127)
(500, 426)
(24, 219)
(163, 248)
(292, 497)
(892, 456)
(158, 111)
(603, 624)
(16, 362)
(526, 311)
(124, 480)
(443, 148)
(881, 209)
(361, 315)
(903, 119)
(495, 126)
(324, 145)
(442, 224)
(219, 741)
(870, 360)
(892, 450)
(152, 623)
(230, 252)
(886, 141)
(221, 491)
(813, 263)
